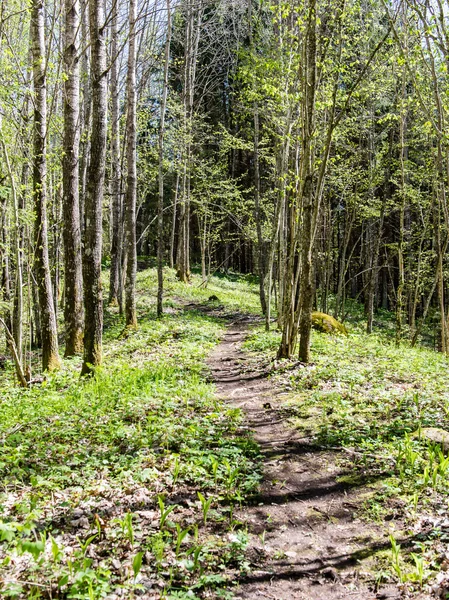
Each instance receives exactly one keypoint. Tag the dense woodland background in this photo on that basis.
(304, 142)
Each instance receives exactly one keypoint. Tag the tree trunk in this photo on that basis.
(173, 227)
(307, 230)
(257, 215)
(116, 233)
(85, 113)
(17, 334)
(374, 272)
(50, 353)
(131, 179)
(73, 296)
(193, 23)
(160, 204)
(93, 300)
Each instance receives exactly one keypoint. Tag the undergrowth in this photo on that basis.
(126, 483)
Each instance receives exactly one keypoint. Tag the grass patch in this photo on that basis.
(126, 483)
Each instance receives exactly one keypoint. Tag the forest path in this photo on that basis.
(306, 541)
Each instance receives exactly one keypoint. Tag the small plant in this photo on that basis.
(232, 474)
(396, 559)
(205, 506)
(214, 465)
(195, 532)
(426, 477)
(196, 553)
(420, 571)
(165, 512)
(84, 545)
(137, 564)
(126, 526)
(55, 550)
(35, 548)
(157, 547)
(181, 534)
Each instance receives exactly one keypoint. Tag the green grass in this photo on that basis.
(128, 481)
(89, 467)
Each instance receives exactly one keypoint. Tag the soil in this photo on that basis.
(307, 540)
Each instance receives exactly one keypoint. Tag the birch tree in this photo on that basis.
(131, 179)
(50, 352)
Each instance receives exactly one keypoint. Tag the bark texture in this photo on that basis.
(93, 299)
(73, 297)
(131, 179)
(50, 352)
(116, 229)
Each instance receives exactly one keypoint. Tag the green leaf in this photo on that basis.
(63, 581)
(137, 563)
(7, 532)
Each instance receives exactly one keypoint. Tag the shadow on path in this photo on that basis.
(306, 540)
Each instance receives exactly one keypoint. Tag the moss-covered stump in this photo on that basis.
(327, 324)
(436, 436)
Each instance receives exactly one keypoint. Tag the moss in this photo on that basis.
(327, 324)
(53, 363)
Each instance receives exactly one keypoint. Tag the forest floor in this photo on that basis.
(353, 502)
(292, 481)
(307, 541)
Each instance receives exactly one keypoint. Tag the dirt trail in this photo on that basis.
(306, 541)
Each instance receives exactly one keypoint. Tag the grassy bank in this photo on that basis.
(125, 484)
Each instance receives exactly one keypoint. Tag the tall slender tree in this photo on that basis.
(160, 206)
(116, 214)
(73, 297)
(93, 298)
(50, 352)
(131, 178)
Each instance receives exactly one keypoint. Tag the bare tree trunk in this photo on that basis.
(116, 234)
(339, 300)
(374, 272)
(50, 353)
(307, 230)
(173, 227)
(403, 191)
(85, 112)
(257, 215)
(93, 300)
(37, 341)
(160, 204)
(194, 15)
(4, 250)
(131, 180)
(73, 296)
(17, 334)
(202, 235)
